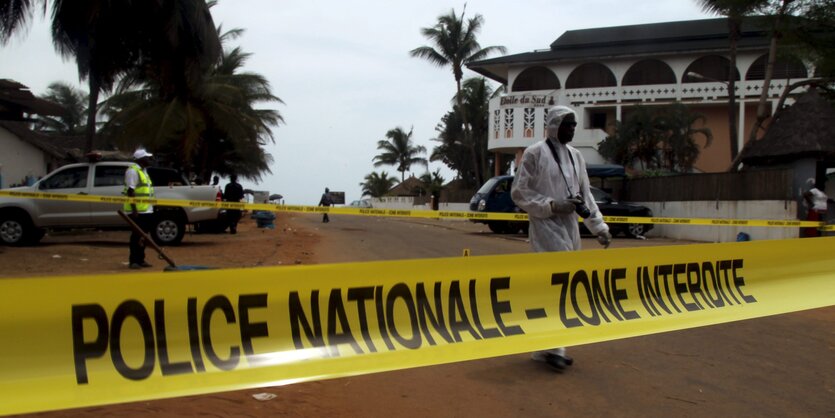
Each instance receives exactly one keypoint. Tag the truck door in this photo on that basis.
(71, 181)
(108, 180)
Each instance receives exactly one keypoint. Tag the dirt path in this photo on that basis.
(106, 252)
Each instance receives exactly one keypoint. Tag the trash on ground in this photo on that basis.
(264, 396)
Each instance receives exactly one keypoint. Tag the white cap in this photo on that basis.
(141, 153)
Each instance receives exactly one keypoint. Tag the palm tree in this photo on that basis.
(477, 93)
(735, 10)
(74, 102)
(399, 151)
(453, 150)
(455, 45)
(216, 128)
(780, 12)
(376, 185)
(109, 38)
(433, 182)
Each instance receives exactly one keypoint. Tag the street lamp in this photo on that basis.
(732, 117)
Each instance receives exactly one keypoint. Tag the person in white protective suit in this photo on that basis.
(552, 186)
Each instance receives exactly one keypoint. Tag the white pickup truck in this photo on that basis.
(24, 221)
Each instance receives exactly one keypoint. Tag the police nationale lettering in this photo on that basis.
(445, 316)
(108, 330)
(371, 318)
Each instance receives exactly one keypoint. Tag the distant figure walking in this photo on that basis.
(326, 201)
(234, 192)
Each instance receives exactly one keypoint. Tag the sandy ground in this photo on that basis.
(672, 375)
(103, 252)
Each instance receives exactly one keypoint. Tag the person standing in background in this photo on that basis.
(138, 184)
(326, 201)
(234, 192)
(816, 200)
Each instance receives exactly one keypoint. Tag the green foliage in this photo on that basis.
(813, 36)
(214, 126)
(74, 102)
(433, 182)
(452, 151)
(399, 151)
(455, 149)
(660, 138)
(177, 39)
(377, 185)
(454, 44)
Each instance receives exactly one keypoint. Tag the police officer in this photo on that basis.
(138, 184)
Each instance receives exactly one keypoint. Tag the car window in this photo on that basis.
(502, 187)
(69, 178)
(109, 175)
(487, 186)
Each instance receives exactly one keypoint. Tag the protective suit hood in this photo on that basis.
(556, 114)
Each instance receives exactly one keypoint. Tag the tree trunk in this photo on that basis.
(734, 27)
(467, 133)
(92, 103)
(791, 87)
(769, 73)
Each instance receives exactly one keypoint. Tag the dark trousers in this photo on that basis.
(233, 216)
(325, 218)
(137, 246)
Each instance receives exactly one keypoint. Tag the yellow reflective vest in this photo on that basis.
(144, 189)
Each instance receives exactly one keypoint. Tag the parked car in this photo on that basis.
(494, 196)
(24, 221)
(362, 204)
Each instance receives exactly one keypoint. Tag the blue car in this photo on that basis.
(494, 196)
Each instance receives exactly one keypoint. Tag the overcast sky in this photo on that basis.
(344, 72)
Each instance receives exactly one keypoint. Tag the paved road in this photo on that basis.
(779, 366)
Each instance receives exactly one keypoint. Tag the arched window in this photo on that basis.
(649, 72)
(784, 67)
(536, 78)
(708, 69)
(590, 75)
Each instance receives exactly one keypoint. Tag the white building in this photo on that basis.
(26, 155)
(603, 72)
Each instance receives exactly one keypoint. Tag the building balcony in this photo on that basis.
(517, 120)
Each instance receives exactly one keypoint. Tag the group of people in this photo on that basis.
(138, 184)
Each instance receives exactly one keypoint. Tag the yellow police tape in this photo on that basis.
(90, 340)
(431, 214)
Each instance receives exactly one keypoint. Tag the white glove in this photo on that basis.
(564, 206)
(604, 238)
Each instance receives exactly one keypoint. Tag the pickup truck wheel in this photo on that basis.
(636, 230)
(169, 229)
(17, 230)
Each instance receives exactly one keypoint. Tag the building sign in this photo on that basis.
(528, 100)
